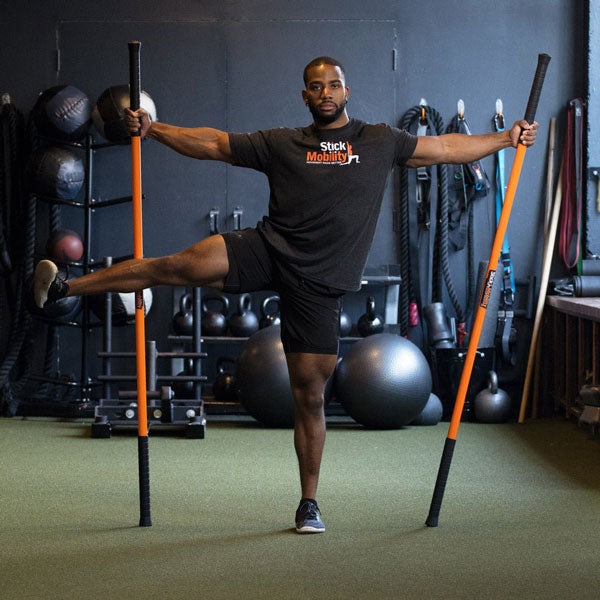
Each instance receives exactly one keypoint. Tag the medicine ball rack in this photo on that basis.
(89, 204)
(163, 408)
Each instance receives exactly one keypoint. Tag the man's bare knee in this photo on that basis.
(309, 402)
(204, 263)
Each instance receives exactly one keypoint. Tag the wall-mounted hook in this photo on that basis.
(213, 216)
(237, 218)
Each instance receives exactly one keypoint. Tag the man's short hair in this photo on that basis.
(322, 60)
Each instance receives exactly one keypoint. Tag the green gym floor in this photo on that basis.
(520, 518)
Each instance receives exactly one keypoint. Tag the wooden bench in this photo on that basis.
(570, 354)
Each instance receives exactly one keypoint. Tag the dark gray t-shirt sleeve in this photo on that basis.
(405, 145)
(251, 150)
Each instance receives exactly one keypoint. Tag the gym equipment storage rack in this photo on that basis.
(86, 264)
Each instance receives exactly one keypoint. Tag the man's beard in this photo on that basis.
(322, 119)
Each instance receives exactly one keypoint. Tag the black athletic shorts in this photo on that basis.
(309, 311)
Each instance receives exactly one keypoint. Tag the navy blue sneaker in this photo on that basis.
(308, 518)
(48, 284)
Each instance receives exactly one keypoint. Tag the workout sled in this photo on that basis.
(162, 408)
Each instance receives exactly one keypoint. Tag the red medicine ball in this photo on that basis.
(65, 245)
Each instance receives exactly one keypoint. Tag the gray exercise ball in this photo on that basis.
(262, 379)
(263, 382)
(431, 414)
(383, 381)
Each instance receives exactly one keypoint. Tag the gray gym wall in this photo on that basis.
(237, 65)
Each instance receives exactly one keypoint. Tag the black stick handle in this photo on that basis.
(135, 77)
(536, 87)
(440, 484)
(144, 470)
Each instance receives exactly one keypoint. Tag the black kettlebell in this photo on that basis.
(370, 323)
(244, 322)
(268, 318)
(214, 322)
(345, 324)
(492, 405)
(183, 321)
(185, 389)
(224, 385)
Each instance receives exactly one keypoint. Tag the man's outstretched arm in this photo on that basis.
(204, 143)
(457, 148)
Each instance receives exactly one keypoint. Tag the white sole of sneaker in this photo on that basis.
(45, 272)
(308, 529)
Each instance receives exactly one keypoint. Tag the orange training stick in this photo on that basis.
(138, 252)
(140, 334)
(442, 477)
(486, 291)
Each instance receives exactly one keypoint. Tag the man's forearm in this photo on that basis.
(198, 142)
(460, 148)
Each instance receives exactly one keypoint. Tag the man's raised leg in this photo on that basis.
(203, 264)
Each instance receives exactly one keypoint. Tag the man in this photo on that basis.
(327, 182)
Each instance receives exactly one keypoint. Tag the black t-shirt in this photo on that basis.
(326, 188)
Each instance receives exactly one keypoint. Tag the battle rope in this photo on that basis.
(16, 362)
(470, 182)
(441, 268)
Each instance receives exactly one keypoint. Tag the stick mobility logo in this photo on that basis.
(332, 153)
(487, 292)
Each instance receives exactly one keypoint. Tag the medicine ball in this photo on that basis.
(62, 112)
(55, 172)
(123, 306)
(64, 245)
(64, 310)
(108, 113)
(383, 381)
